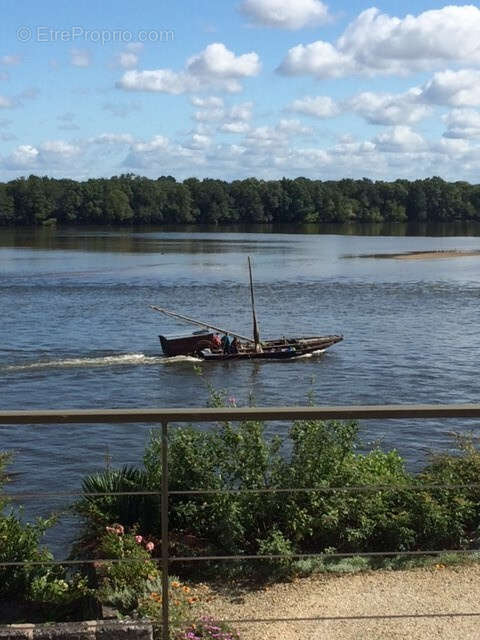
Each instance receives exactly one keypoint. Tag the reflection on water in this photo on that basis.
(141, 239)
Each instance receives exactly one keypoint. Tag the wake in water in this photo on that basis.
(101, 361)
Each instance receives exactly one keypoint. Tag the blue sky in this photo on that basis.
(265, 88)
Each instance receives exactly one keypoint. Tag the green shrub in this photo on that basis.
(323, 459)
(100, 511)
(49, 592)
(133, 585)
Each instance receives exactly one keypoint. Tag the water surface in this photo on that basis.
(77, 331)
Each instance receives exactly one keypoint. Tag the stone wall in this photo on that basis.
(91, 630)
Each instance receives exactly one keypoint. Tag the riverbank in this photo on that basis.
(348, 606)
(435, 255)
(421, 255)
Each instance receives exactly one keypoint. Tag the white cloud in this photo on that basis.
(129, 57)
(57, 151)
(24, 156)
(235, 127)
(389, 109)
(454, 88)
(319, 59)
(376, 108)
(319, 106)
(10, 59)
(216, 66)
(213, 109)
(218, 61)
(275, 137)
(156, 143)
(400, 139)
(11, 102)
(80, 58)
(209, 115)
(293, 127)
(51, 153)
(160, 153)
(242, 111)
(161, 80)
(113, 138)
(199, 141)
(6, 103)
(286, 14)
(209, 102)
(281, 149)
(376, 43)
(451, 148)
(350, 147)
(462, 123)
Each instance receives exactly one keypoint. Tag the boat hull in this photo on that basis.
(276, 349)
(186, 345)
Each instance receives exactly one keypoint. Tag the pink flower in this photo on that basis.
(149, 546)
(233, 401)
(138, 539)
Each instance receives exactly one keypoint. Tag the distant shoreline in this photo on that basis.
(423, 255)
(432, 255)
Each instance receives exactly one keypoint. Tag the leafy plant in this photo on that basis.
(51, 592)
(320, 459)
(133, 584)
(100, 510)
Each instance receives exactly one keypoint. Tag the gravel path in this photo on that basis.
(412, 595)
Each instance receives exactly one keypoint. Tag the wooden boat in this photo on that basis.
(202, 343)
(283, 349)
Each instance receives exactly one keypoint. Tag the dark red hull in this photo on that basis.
(186, 345)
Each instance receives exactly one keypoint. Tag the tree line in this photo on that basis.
(135, 200)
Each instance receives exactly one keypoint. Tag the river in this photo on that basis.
(77, 331)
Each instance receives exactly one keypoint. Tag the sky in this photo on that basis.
(232, 89)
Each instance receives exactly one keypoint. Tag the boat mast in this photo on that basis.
(256, 335)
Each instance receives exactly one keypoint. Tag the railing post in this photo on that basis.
(164, 515)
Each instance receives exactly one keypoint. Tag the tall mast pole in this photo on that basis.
(256, 335)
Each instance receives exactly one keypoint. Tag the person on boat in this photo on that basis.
(225, 343)
(216, 342)
(235, 345)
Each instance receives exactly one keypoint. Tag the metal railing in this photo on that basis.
(164, 417)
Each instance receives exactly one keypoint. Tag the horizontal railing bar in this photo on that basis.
(194, 492)
(40, 563)
(347, 489)
(293, 556)
(371, 412)
(386, 616)
(72, 494)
